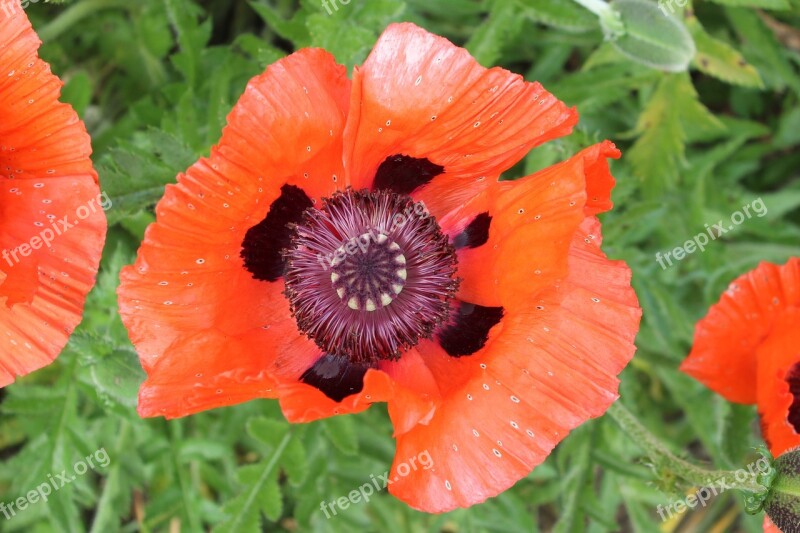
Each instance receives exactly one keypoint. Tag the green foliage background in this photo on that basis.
(154, 80)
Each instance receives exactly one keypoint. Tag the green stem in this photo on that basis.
(663, 458)
(75, 14)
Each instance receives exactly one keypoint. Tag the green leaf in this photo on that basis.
(118, 377)
(134, 175)
(270, 432)
(260, 491)
(342, 432)
(763, 50)
(192, 36)
(651, 38)
(658, 156)
(78, 92)
(486, 44)
(718, 59)
(765, 4)
(567, 16)
(295, 463)
(350, 32)
(602, 86)
(293, 30)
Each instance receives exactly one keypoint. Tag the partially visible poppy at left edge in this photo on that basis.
(748, 350)
(349, 242)
(52, 226)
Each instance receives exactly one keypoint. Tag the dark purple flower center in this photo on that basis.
(369, 274)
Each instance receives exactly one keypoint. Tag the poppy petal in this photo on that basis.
(532, 224)
(52, 225)
(189, 280)
(302, 402)
(726, 341)
(778, 388)
(769, 527)
(420, 96)
(549, 368)
(416, 393)
(176, 386)
(333, 386)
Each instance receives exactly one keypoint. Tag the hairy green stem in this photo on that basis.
(663, 458)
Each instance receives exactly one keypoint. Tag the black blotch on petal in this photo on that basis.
(404, 174)
(336, 377)
(262, 245)
(475, 234)
(793, 379)
(468, 329)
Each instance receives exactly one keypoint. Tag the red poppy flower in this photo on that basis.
(748, 349)
(52, 225)
(348, 243)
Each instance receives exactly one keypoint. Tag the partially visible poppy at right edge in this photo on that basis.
(348, 243)
(748, 350)
(52, 224)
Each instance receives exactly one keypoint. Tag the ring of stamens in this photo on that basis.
(369, 274)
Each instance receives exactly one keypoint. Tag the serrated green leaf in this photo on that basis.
(268, 431)
(295, 462)
(293, 30)
(718, 59)
(658, 154)
(763, 50)
(601, 86)
(260, 493)
(563, 15)
(118, 377)
(134, 175)
(487, 42)
(672, 116)
(342, 432)
(192, 35)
